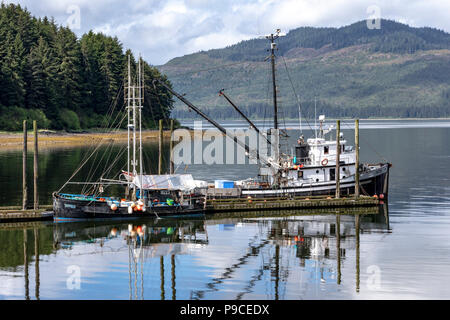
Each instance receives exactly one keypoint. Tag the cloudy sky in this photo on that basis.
(161, 30)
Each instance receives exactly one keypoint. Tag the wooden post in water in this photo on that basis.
(24, 166)
(160, 146)
(357, 158)
(171, 148)
(35, 179)
(338, 154)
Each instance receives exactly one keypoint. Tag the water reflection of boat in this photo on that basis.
(318, 244)
(146, 232)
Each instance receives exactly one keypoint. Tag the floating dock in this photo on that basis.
(16, 214)
(285, 203)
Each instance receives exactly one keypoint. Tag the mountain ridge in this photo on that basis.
(395, 71)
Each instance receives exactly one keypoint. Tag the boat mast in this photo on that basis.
(129, 124)
(272, 37)
(140, 124)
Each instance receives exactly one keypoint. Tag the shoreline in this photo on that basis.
(50, 139)
(46, 139)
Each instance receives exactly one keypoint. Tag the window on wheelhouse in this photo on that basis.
(326, 149)
(332, 174)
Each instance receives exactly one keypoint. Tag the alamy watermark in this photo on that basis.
(374, 279)
(374, 20)
(73, 282)
(74, 20)
(211, 146)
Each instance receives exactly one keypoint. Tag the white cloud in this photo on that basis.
(162, 30)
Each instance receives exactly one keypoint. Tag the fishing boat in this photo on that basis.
(310, 169)
(144, 195)
(316, 166)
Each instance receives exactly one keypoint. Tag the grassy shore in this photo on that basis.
(46, 139)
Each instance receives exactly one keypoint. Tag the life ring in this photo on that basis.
(325, 162)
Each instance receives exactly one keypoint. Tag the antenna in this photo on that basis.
(315, 118)
(272, 37)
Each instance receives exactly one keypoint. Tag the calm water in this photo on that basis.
(401, 252)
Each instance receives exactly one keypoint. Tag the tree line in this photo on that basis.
(49, 75)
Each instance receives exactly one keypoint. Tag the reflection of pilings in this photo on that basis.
(174, 291)
(36, 256)
(254, 250)
(129, 271)
(357, 252)
(161, 268)
(338, 247)
(25, 263)
(277, 270)
(386, 215)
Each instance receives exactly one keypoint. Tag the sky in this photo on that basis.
(162, 30)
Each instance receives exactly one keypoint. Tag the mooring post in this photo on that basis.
(24, 166)
(160, 146)
(35, 178)
(338, 154)
(171, 147)
(357, 158)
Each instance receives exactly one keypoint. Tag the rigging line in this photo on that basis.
(293, 89)
(367, 142)
(118, 156)
(109, 146)
(95, 142)
(86, 160)
(76, 171)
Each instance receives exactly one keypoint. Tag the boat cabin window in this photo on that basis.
(300, 174)
(333, 174)
(301, 153)
(326, 149)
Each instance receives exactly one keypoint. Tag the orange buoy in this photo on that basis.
(381, 196)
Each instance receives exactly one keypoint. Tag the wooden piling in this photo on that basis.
(357, 158)
(35, 178)
(171, 148)
(160, 146)
(24, 167)
(338, 153)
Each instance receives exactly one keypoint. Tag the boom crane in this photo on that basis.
(221, 93)
(251, 153)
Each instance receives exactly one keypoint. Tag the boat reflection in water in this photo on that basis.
(270, 250)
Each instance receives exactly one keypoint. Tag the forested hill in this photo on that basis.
(354, 71)
(49, 75)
